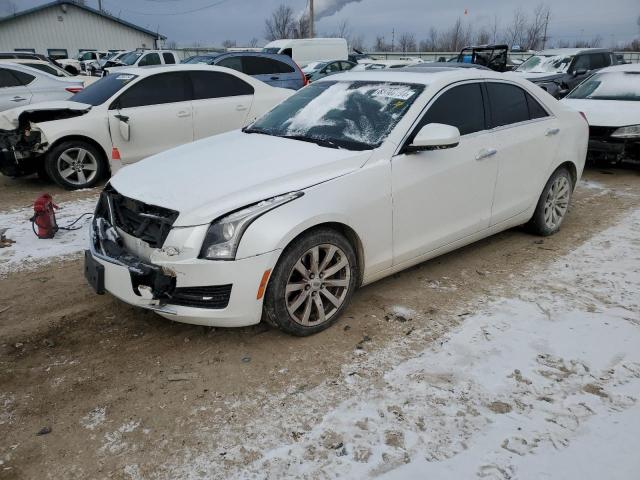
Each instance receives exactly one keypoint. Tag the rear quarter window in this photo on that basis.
(265, 66)
(508, 104)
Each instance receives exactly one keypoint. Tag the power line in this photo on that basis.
(199, 9)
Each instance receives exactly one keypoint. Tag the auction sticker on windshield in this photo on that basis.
(401, 93)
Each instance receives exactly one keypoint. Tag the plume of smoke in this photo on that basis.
(326, 8)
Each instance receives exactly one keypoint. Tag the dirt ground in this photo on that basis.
(124, 393)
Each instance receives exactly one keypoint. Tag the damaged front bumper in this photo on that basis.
(193, 290)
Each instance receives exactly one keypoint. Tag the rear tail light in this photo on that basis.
(305, 80)
(74, 89)
(585, 117)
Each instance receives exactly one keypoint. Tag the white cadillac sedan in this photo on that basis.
(353, 178)
(610, 99)
(138, 111)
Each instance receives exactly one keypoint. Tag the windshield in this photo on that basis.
(313, 66)
(201, 59)
(546, 64)
(356, 115)
(609, 86)
(130, 58)
(99, 92)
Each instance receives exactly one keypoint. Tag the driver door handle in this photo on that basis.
(183, 113)
(241, 108)
(552, 131)
(486, 153)
(18, 99)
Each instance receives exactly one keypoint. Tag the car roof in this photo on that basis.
(444, 65)
(424, 77)
(571, 51)
(153, 69)
(627, 67)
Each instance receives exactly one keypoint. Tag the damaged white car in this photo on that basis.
(354, 178)
(138, 111)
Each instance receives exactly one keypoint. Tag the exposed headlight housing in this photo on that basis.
(224, 234)
(631, 131)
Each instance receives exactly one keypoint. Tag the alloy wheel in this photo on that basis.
(318, 285)
(77, 166)
(557, 202)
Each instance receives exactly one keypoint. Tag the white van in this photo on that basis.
(307, 50)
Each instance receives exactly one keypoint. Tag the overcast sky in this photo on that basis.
(241, 20)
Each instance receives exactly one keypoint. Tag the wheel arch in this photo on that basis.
(573, 171)
(340, 227)
(83, 138)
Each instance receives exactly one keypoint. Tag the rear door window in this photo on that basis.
(460, 107)
(508, 104)
(168, 58)
(264, 66)
(218, 85)
(157, 89)
(149, 59)
(598, 60)
(333, 67)
(24, 78)
(235, 63)
(535, 109)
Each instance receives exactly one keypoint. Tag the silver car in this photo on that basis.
(21, 85)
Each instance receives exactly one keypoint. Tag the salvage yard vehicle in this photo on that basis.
(610, 99)
(51, 68)
(139, 111)
(317, 70)
(141, 58)
(494, 57)
(307, 50)
(353, 178)
(558, 71)
(275, 70)
(24, 85)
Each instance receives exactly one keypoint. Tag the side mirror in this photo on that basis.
(580, 71)
(435, 136)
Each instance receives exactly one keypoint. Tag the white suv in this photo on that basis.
(143, 58)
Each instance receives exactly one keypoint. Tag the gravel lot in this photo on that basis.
(501, 360)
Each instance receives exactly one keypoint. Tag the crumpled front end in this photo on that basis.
(22, 142)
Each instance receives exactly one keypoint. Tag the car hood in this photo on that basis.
(607, 113)
(211, 177)
(43, 111)
(540, 77)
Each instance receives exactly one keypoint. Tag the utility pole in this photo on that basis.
(546, 24)
(393, 40)
(311, 20)
(99, 5)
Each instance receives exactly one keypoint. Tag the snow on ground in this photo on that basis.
(29, 251)
(541, 385)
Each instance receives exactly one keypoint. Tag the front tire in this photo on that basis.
(553, 204)
(75, 164)
(312, 283)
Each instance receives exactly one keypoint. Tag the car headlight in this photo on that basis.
(632, 131)
(224, 234)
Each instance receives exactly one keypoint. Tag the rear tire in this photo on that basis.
(553, 204)
(75, 164)
(312, 283)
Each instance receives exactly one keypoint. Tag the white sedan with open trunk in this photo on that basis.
(138, 111)
(354, 178)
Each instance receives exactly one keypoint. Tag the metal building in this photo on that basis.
(61, 29)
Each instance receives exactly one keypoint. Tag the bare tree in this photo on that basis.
(535, 29)
(453, 39)
(380, 45)
(407, 42)
(171, 45)
(253, 43)
(344, 29)
(483, 36)
(302, 27)
(281, 24)
(515, 32)
(357, 43)
(229, 44)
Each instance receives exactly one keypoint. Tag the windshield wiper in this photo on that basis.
(260, 131)
(318, 141)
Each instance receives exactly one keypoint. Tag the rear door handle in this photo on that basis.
(486, 153)
(552, 131)
(18, 99)
(183, 113)
(275, 78)
(241, 108)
